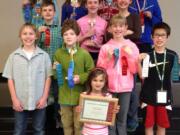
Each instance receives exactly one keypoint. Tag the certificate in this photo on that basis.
(98, 110)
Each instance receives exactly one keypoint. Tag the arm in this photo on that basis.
(17, 105)
(63, 13)
(88, 65)
(175, 69)
(42, 101)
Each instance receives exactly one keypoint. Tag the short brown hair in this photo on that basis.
(118, 19)
(46, 3)
(70, 24)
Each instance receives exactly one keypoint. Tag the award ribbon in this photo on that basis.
(124, 65)
(70, 76)
(92, 24)
(27, 13)
(145, 69)
(59, 74)
(116, 56)
(47, 37)
(73, 15)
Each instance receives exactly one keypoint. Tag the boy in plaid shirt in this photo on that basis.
(50, 40)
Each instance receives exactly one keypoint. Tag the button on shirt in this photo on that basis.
(29, 76)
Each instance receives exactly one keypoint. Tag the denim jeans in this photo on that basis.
(38, 121)
(119, 127)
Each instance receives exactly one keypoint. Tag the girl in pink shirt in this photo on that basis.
(119, 57)
(97, 85)
(93, 28)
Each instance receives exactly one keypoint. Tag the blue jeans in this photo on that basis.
(38, 121)
(119, 127)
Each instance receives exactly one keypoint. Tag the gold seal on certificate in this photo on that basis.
(98, 110)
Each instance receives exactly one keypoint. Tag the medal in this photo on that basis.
(92, 24)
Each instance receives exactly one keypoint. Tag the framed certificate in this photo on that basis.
(98, 110)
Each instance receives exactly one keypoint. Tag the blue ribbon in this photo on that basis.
(27, 13)
(59, 74)
(70, 74)
(116, 55)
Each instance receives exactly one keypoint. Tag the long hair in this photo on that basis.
(93, 74)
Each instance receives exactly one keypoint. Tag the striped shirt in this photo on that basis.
(29, 76)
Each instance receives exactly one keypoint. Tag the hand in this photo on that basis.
(41, 103)
(142, 56)
(54, 64)
(42, 28)
(38, 10)
(24, 2)
(129, 32)
(76, 79)
(116, 110)
(78, 109)
(17, 105)
(148, 14)
(90, 33)
(90, 42)
(110, 54)
(127, 49)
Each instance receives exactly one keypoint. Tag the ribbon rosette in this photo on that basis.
(47, 37)
(27, 13)
(116, 55)
(124, 65)
(59, 74)
(70, 74)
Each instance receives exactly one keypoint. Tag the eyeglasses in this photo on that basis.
(156, 35)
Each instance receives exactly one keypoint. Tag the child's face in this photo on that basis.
(48, 13)
(123, 4)
(159, 38)
(118, 30)
(70, 38)
(92, 6)
(28, 36)
(98, 83)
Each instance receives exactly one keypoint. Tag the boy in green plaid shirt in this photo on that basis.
(50, 40)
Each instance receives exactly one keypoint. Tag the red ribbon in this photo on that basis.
(47, 37)
(124, 65)
(142, 17)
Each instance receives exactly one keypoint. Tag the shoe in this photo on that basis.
(132, 127)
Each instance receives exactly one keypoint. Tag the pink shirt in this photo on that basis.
(100, 29)
(117, 82)
(95, 129)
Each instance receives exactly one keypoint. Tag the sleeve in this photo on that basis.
(88, 66)
(156, 14)
(60, 39)
(175, 69)
(8, 69)
(56, 17)
(48, 66)
(136, 28)
(63, 14)
(102, 58)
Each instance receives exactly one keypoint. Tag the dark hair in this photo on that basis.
(70, 24)
(46, 3)
(32, 2)
(81, 2)
(161, 25)
(94, 73)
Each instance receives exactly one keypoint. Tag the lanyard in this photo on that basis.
(143, 7)
(161, 77)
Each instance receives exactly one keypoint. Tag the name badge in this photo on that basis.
(162, 96)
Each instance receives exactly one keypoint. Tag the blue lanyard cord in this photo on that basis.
(161, 77)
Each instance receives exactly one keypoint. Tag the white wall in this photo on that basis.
(11, 20)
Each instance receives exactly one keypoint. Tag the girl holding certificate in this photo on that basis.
(97, 85)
